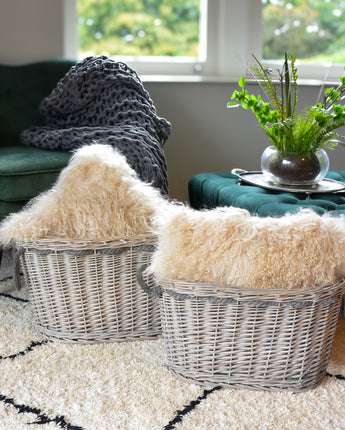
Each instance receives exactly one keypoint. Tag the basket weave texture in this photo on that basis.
(246, 338)
(87, 292)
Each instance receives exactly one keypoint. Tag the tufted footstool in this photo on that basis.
(210, 190)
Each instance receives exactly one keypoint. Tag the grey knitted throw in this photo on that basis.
(104, 101)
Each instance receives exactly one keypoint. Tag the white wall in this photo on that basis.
(30, 30)
(206, 135)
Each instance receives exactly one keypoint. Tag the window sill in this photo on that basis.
(220, 79)
(187, 79)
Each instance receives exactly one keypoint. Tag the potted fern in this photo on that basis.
(297, 153)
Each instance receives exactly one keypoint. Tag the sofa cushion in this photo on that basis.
(7, 208)
(22, 88)
(27, 171)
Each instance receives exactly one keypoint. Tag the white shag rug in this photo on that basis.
(127, 386)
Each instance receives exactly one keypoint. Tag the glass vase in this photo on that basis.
(289, 168)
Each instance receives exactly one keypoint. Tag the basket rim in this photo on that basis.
(210, 290)
(61, 244)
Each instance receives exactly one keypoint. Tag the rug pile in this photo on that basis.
(127, 386)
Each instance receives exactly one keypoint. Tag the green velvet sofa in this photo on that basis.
(26, 171)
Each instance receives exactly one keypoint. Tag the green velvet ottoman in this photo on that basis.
(210, 190)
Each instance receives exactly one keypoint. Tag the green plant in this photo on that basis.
(301, 133)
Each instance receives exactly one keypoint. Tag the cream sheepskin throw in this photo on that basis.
(97, 196)
(228, 246)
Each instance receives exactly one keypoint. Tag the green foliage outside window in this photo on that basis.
(315, 27)
(138, 27)
(171, 28)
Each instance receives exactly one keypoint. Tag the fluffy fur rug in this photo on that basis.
(228, 246)
(98, 195)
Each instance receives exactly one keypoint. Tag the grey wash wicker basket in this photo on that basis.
(87, 292)
(247, 338)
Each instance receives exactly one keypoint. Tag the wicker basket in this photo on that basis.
(88, 291)
(248, 338)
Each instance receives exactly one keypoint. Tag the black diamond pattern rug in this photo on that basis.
(127, 386)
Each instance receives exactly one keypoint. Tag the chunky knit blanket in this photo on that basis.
(104, 101)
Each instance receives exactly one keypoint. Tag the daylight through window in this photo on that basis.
(315, 27)
(139, 27)
(216, 37)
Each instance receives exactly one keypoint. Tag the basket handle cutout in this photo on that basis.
(151, 292)
(17, 253)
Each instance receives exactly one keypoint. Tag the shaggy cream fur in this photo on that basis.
(98, 195)
(228, 246)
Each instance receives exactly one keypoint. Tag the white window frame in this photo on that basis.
(233, 32)
(224, 22)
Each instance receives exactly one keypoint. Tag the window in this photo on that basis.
(219, 36)
(316, 28)
(215, 23)
(141, 28)
(157, 35)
